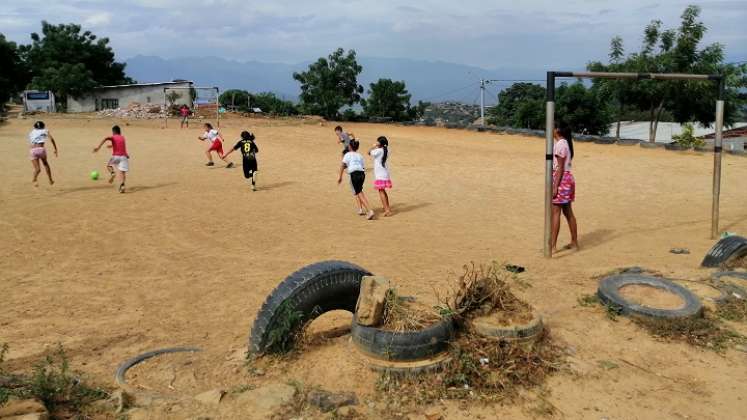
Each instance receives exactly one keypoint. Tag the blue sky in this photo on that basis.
(520, 34)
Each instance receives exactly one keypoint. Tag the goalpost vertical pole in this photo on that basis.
(717, 147)
(549, 126)
(217, 105)
(166, 114)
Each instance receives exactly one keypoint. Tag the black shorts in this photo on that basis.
(357, 179)
(250, 166)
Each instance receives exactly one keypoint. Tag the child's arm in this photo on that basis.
(228, 153)
(342, 171)
(96, 149)
(53, 143)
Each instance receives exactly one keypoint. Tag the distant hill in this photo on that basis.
(426, 80)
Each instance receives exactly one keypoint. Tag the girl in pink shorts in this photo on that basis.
(382, 182)
(563, 186)
(37, 138)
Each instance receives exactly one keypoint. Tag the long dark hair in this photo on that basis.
(384, 143)
(567, 134)
(39, 125)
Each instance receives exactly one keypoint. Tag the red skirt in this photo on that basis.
(566, 190)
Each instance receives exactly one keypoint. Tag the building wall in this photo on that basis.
(150, 94)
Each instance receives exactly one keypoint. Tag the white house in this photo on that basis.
(121, 96)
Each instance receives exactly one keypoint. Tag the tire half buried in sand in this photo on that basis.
(683, 303)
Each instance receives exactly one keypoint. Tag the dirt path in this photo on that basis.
(189, 254)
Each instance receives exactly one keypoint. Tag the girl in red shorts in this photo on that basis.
(215, 141)
(563, 187)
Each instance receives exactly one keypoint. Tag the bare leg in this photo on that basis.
(112, 174)
(48, 170)
(37, 170)
(123, 176)
(571, 218)
(555, 226)
(365, 205)
(209, 155)
(385, 202)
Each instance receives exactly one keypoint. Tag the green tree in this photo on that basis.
(521, 105)
(583, 109)
(270, 103)
(678, 51)
(387, 98)
(236, 99)
(13, 72)
(70, 62)
(330, 83)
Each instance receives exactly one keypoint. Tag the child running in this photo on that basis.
(343, 138)
(37, 138)
(354, 163)
(249, 150)
(212, 136)
(120, 160)
(380, 153)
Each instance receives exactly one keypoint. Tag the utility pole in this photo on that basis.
(482, 102)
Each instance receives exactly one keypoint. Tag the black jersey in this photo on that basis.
(248, 148)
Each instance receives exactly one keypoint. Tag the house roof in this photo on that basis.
(734, 132)
(181, 82)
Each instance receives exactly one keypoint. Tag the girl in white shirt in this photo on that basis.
(355, 165)
(37, 138)
(382, 182)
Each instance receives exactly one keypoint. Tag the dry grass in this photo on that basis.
(402, 314)
(481, 290)
(732, 309)
(705, 331)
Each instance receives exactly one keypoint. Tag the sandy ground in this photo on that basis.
(188, 255)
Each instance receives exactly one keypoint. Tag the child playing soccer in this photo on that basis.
(380, 153)
(343, 138)
(249, 150)
(353, 162)
(37, 137)
(120, 160)
(184, 113)
(212, 136)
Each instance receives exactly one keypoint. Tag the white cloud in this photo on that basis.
(98, 19)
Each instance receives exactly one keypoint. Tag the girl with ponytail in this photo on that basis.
(380, 153)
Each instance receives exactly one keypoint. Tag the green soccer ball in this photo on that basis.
(94, 175)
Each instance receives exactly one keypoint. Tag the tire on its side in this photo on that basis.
(308, 293)
(403, 346)
(523, 333)
(609, 294)
(725, 250)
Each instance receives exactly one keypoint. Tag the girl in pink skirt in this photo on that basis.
(37, 139)
(563, 187)
(380, 153)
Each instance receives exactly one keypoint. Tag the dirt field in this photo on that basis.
(188, 255)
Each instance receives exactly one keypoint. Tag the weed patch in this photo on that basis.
(706, 331)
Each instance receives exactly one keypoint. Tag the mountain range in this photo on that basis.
(433, 81)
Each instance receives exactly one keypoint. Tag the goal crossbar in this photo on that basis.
(196, 88)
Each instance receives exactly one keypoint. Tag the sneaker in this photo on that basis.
(254, 187)
(121, 188)
(230, 165)
(210, 164)
(370, 215)
(361, 212)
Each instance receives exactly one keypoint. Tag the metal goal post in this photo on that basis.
(550, 125)
(213, 90)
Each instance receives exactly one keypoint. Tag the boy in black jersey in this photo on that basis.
(249, 150)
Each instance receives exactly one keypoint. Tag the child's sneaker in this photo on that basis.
(370, 215)
(210, 164)
(254, 187)
(230, 165)
(121, 188)
(361, 212)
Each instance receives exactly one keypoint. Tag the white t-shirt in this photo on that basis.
(210, 135)
(37, 136)
(354, 162)
(381, 172)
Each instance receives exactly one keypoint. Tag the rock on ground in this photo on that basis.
(269, 397)
(328, 401)
(370, 307)
(211, 397)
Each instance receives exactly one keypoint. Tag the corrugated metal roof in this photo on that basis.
(146, 84)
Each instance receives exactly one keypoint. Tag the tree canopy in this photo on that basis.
(268, 102)
(67, 61)
(389, 99)
(13, 71)
(330, 83)
(521, 105)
